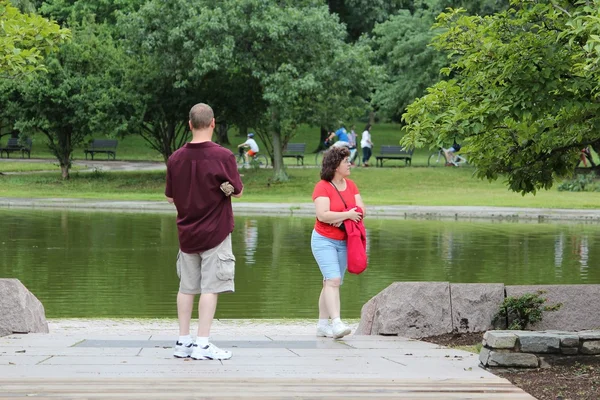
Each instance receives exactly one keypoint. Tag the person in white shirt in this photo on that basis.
(367, 145)
(251, 143)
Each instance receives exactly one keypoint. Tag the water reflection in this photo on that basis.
(109, 264)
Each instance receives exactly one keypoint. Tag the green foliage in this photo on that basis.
(522, 93)
(401, 45)
(266, 65)
(525, 310)
(581, 183)
(25, 39)
(78, 95)
(65, 11)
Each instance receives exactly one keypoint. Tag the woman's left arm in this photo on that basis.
(360, 203)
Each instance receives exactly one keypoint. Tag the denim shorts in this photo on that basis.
(331, 255)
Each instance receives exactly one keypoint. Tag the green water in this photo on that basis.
(123, 265)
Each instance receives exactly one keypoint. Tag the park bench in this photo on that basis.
(295, 150)
(394, 153)
(14, 145)
(108, 146)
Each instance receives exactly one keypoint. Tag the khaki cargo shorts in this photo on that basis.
(211, 271)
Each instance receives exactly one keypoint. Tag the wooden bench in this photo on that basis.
(394, 153)
(295, 150)
(14, 145)
(108, 146)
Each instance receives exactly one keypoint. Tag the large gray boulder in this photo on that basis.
(474, 305)
(408, 309)
(580, 309)
(20, 310)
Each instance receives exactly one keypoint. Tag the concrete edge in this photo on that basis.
(307, 210)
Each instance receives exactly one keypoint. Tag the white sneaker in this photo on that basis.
(324, 331)
(210, 352)
(340, 330)
(182, 350)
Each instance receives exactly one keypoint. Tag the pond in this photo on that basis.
(99, 264)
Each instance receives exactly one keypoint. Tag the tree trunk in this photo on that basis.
(278, 168)
(372, 117)
(324, 134)
(64, 169)
(243, 131)
(221, 131)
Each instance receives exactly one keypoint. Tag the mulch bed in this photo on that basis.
(569, 377)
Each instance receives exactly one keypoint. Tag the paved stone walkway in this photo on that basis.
(80, 359)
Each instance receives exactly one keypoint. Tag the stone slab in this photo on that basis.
(412, 309)
(256, 344)
(474, 305)
(20, 310)
(577, 312)
(538, 342)
(491, 358)
(590, 347)
(500, 339)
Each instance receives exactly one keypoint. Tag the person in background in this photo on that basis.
(252, 145)
(352, 141)
(335, 198)
(342, 137)
(367, 145)
(201, 177)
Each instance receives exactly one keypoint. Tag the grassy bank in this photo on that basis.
(379, 186)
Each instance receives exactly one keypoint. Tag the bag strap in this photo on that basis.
(336, 189)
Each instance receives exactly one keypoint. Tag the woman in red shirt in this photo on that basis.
(333, 194)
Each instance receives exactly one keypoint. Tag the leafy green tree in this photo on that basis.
(25, 39)
(296, 50)
(266, 65)
(520, 94)
(102, 11)
(78, 96)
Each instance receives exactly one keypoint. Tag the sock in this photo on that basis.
(202, 341)
(337, 320)
(187, 339)
(323, 322)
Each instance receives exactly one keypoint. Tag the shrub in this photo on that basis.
(525, 310)
(581, 183)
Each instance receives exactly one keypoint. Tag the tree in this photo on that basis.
(521, 93)
(25, 39)
(401, 47)
(78, 96)
(103, 11)
(297, 53)
(266, 65)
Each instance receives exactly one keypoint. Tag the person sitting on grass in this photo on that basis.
(251, 143)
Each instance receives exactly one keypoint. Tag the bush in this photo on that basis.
(581, 183)
(523, 311)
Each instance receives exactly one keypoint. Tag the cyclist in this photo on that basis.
(342, 137)
(251, 143)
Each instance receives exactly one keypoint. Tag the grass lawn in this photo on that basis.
(379, 186)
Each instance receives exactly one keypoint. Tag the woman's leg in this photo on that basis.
(325, 251)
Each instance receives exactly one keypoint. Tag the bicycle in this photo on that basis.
(438, 159)
(258, 159)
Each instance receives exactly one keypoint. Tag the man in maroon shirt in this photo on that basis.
(205, 263)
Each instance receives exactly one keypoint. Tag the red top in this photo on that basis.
(356, 245)
(325, 189)
(195, 173)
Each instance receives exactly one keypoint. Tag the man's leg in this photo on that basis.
(218, 270)
(185, 306)
(207, 306)
(188, 270)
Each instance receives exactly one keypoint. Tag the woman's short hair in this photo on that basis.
(332, 159)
